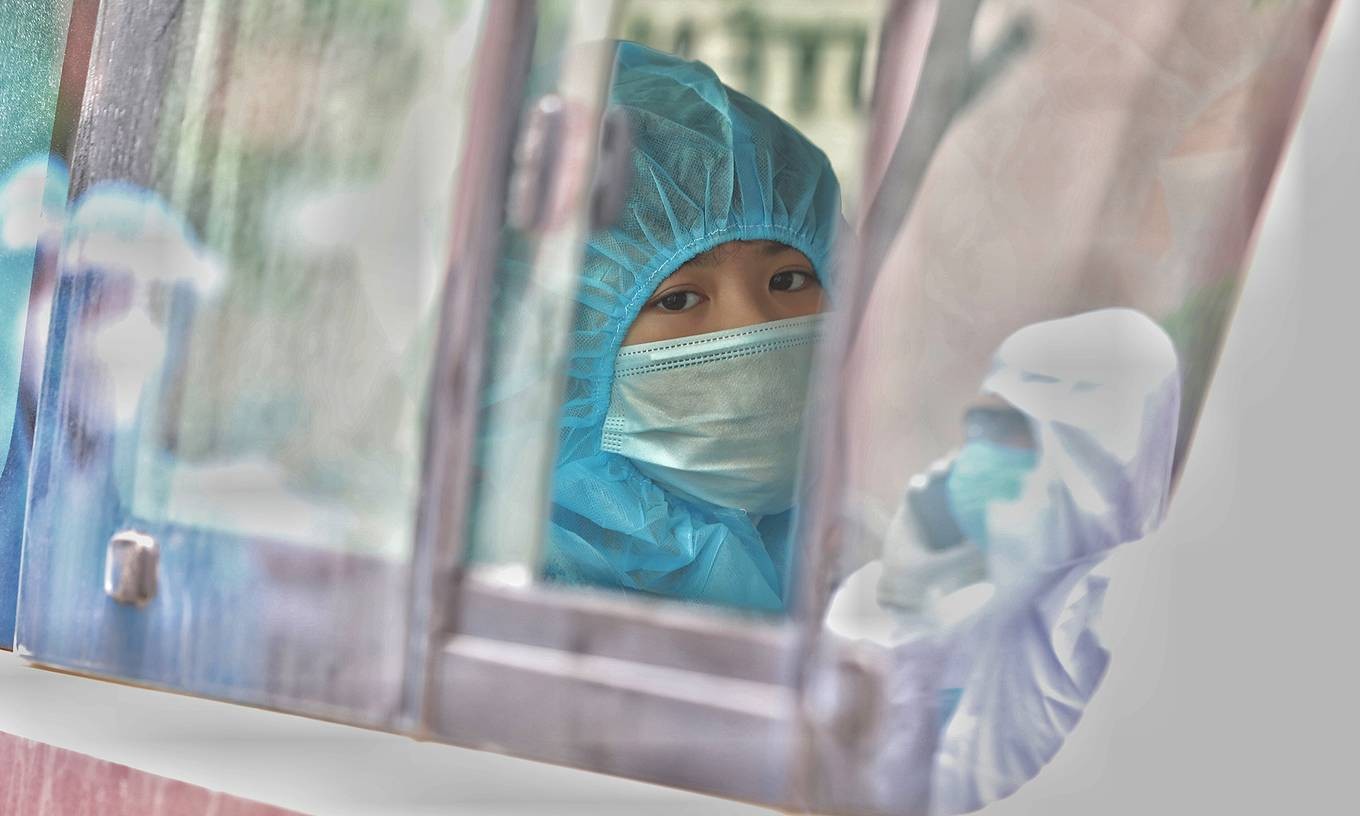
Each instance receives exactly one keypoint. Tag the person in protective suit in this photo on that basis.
(691, 347)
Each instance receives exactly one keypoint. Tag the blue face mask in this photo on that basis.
(717, 417)
(983, 472)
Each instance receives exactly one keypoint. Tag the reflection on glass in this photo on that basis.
(1056, 191)
(1037, 340)
(690, 347)
(551, 203)
(266, 361)
(691, 321)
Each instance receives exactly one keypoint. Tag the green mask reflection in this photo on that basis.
(985, 471)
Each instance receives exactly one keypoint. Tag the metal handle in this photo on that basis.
(130, 565)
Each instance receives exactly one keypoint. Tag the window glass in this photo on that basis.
(677, 479)
(1060, 190)
(549, 205)
(1063, 198)
(303, 167)
(1056, 244)
(244, 322)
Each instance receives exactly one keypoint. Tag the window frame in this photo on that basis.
(544, 672)
(352, 668)
(530, 669)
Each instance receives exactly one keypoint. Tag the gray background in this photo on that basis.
(1233, 684)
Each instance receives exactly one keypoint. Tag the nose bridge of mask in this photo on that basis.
(717, 416)
(700, 348)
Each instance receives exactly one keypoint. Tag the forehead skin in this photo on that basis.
(723, 252)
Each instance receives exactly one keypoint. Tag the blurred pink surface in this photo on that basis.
(42, 780)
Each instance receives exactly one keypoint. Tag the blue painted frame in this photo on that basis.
(35, 33)
(248, 620)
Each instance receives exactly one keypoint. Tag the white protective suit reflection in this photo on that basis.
(1014, 657)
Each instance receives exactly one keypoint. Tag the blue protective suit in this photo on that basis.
(709, 166)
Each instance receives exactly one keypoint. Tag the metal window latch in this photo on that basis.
(130, 564)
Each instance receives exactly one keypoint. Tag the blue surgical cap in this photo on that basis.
(709, 166)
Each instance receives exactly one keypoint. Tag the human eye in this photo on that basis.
(792, 280)
(681, 301)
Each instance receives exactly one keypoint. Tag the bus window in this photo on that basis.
(1057, 231)
(741, 405)
(673, 438)
(254, 250)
